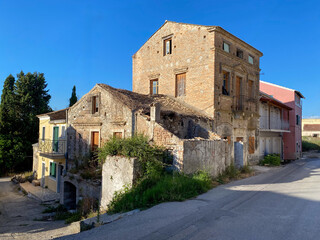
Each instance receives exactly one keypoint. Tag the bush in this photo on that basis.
(310, 143)
(149, 156)
(271, 160)
(155, 189)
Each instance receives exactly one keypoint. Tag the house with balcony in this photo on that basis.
(209, 69)
(49, 157)
(292, 140)
(274, 122)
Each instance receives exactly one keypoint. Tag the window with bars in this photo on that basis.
(180, 84)
(154, 86)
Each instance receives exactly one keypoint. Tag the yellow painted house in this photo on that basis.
(50, 153)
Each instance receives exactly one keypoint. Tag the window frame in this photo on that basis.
(184, 85)
(95, 104)
(151, 86)
(165, 46)
(250, 56)
(50, 170)
(241, 51)
(223, 46)
(117, 133)
(227, 88)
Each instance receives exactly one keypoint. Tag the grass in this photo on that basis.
(156, 189)
(61, 214)
(310, 143)
(232, 173)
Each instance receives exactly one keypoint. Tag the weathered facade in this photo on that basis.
(293, 99)
(207, 68)
(106, 112)
(274, 122)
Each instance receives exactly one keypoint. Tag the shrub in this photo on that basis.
(149, 156)
(310, 143)
(271, 160)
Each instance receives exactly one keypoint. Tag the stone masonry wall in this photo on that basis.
(117, 173)
(207, 155)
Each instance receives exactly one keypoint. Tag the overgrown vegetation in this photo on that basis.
(271, 160)
(87, 166)
(156, 185)
(149, 156)
(310, 143)
(154, 189)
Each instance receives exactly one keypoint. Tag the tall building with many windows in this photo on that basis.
(209, 69)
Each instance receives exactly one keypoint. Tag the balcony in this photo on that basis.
(52, 148)
(245, 103)
(274, 124)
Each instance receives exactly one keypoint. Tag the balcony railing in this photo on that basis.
(273, 123)
(245, 103)
(52, 147)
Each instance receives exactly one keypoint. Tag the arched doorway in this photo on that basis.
(70, 196)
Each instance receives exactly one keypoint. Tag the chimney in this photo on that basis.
(155, 112)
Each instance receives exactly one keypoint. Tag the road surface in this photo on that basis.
(283, 203)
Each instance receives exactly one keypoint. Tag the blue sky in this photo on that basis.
(87, 42)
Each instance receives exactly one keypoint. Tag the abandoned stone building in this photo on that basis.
(210, 69)
(106, 112)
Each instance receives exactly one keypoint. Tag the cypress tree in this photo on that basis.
(73, 98)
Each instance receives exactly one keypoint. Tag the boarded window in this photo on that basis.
(181, 84)
(167, 46)
(225, 83)
(250, 89)
(95, 104)
(154, 86)
(251, 145)
(117, 135)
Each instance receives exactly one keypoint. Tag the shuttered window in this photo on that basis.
(251, 145)
(95, 104)
(181, 84)
(53, 169)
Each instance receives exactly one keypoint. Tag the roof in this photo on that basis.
(297, 92)
(210, 27)
(268, 98)
(142, 102)
(311, 127)
(56, 115)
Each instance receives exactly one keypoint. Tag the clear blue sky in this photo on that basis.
(87, 42)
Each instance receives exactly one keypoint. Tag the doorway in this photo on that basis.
(60, 171)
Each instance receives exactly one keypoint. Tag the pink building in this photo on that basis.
(292, 141)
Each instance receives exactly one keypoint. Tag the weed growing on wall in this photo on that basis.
(271, 160)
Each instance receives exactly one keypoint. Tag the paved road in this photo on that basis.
(283, 203)
(17, 214)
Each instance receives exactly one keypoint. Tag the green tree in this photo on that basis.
(73, 98)
(21, 101)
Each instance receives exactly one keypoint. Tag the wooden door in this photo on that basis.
(94, 140)
(180, 84)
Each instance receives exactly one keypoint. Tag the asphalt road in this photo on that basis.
(283, 203)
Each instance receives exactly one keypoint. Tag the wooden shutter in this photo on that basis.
(251, 145)
(180, 84)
